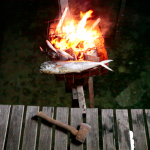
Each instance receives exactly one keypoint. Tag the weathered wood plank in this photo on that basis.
(30, 130)
(139, 133)
(76, 120)
(4, 116)
(92, 142)
(61, 137)
(123, 129)
(81, 98)
(108, 129)
(147, 112)
(45, 140)
(15, 127)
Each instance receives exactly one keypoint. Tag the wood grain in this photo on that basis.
(108, 129)
(92, 142)
(15, 127)
(123, 129)
(45, 140)
(139, 133)
(147, 112)
(4, 116)
(61, 136)
(30, 130)
(76, 120)
(81, 98)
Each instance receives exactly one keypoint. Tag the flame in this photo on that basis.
(77, 36)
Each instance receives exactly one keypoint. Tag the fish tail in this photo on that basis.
(102, 63)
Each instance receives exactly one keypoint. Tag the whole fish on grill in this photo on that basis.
(63, 67)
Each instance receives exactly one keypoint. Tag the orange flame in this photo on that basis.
(79, 36)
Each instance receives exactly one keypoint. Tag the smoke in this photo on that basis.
(101, 9)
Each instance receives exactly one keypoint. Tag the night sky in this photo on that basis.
(23, 30)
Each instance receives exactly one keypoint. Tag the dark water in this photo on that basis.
(24, 30)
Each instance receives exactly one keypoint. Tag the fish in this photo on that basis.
(63, 53)
(63, 67)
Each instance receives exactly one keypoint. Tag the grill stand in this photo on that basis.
(76, 85)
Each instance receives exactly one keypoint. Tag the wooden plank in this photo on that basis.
(4, 116)
(108, 129)
(139, 133)
(123, 129)
(81, 98)
(76, 120)
(61, 137)
(30, 130)
(92, 142)
(15, 127)
(147, 112)
(45, 140)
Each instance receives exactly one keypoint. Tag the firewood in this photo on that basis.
(61, 20)
(95, 23)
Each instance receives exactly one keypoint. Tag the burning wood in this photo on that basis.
(74, 41)
(51, 46)
(63, 53)
(95, 23)
(61, 20)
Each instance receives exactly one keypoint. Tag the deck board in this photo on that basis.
(123, 129)
(108, 129)
(45, 140)
(139, 133)
(15, 127)
(92, 141)
(76, 120)
(30, 130)
(4, 116)
(60, 140)
(147, 112)
(61, 137)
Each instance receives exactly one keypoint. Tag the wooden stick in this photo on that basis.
(81, 98)
(62, 19)
(95, 23)
(51, 46)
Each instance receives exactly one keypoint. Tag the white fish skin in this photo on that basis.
(63, 67)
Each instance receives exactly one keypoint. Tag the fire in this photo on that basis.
(74, 35)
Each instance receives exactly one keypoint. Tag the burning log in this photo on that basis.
(61, 20)
(62, 53)
(51, 46)
(95, 24)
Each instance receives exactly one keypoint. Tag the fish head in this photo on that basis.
(47, 67)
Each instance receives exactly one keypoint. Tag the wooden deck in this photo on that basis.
(20, 129)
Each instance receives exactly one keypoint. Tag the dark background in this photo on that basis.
(23, 30)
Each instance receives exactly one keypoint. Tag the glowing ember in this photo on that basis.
(79, 37)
